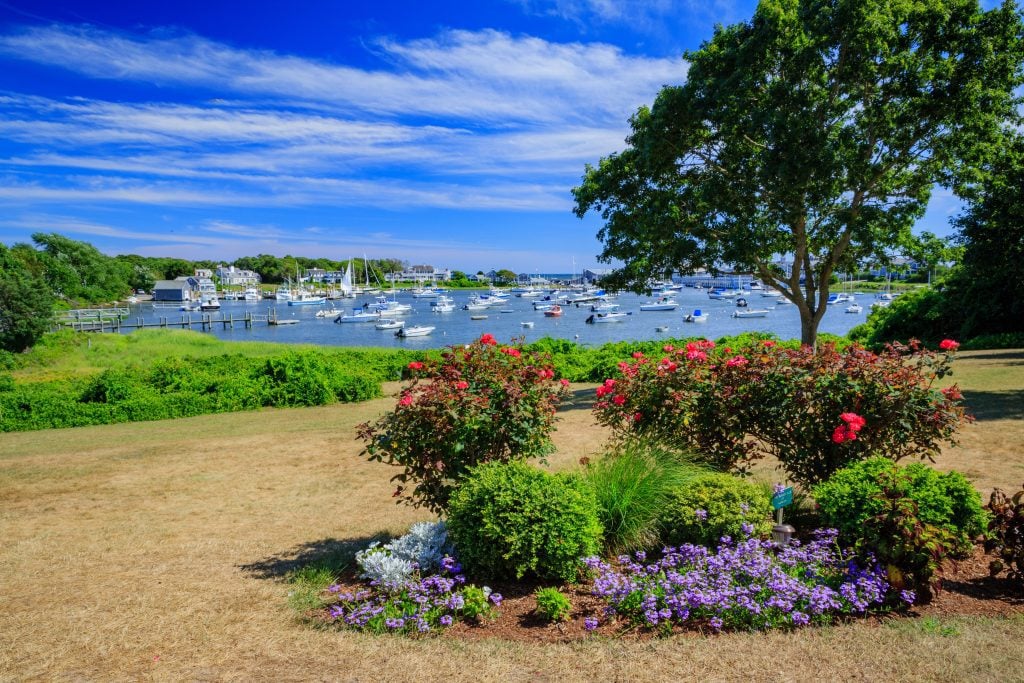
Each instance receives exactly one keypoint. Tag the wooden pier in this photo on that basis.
(205, 321)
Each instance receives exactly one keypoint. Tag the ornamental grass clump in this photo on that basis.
(633, 487)
(479, 403)
(744, 585)
(816, 411)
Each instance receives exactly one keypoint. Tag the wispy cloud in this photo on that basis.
(475, 76)
(474, 120)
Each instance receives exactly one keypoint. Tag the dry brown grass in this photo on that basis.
(157, 551)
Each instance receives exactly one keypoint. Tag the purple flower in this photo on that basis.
(445, 620)
(496, 599)
(908, 597)
(715, 623)
(590, 623)
(800, 619)
(700, 515)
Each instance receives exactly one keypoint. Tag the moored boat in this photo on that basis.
(697, 316)
(553, 312)
(414, 331)
(751, 313)
(662, 304)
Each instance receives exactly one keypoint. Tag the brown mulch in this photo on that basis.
(967, 590)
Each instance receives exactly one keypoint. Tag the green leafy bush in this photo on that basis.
(510, 520)
(1006, 534)
(945, 500)
(735, 405)
(480, 403)
(182, 387)
(633, 486)
(907, 548)
(714, 505)
(552, 604)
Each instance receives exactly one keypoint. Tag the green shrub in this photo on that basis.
(710, 506)
(6, 382)
(552, 604)
(945, 500)
(633, 486)
(909, 550)
(509, 520)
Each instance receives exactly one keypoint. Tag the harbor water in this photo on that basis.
(506, 321)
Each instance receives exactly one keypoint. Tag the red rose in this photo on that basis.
(415, 365)
(949, 345)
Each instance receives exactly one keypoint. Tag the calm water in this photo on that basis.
(456, 327)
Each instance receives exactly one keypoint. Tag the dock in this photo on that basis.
(118, 320)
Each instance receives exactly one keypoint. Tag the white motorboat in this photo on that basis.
(662, 304)
(444, 304)
(855, 308)
(328, 313)
(603, 307)
(388, 324)
(358, 315)
(697, 316)
(723, 294)
(414, 331)
(750, 313)
(527, 324)
(209, 303)
(252, 294)
(607, 317)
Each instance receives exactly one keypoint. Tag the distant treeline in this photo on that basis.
(78, 273)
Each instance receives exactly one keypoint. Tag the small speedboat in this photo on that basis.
(608, 317)
(478, 317)
(527, 324)
(328, 313)
(414, 331)
(696, 317)
(553, 312)
(741, 302)
(388, 324)
(855, 308)
(661, 328)
(751, 313)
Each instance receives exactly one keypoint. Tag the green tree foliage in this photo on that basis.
(506, 275)
(983, 295)
(25, 304)
(817, 130)
(79, 272)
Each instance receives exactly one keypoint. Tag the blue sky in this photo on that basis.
(447, 133)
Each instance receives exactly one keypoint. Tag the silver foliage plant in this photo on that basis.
(392, 564)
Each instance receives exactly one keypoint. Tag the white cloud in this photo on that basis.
(476, 76)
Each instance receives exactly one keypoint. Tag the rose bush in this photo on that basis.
(479, 403)
(815, 411)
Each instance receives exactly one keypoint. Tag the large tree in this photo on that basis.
(814, 134)
(26, 305)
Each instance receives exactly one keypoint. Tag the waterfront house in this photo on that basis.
(172, 290)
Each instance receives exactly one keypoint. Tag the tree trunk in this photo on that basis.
(808, 328)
